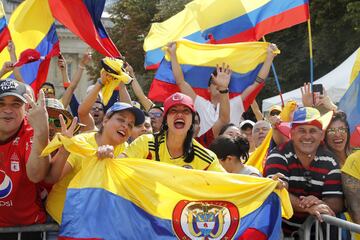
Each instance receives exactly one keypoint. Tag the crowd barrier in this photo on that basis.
(324, 234)
(45, 228)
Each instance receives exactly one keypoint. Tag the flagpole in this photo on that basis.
(276, 80)
(311, 57)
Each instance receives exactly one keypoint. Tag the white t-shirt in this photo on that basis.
(209, 113)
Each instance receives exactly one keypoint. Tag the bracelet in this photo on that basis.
(259, 79)
(100, 82)
(224, 91)
(81, 67)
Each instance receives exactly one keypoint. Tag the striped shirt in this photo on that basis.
(321, 179)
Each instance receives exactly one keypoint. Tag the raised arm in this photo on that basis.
(264, 71)
(66, 98)
(6, 67)
(256, 110)
(178, 74)
(137, 89)
(36, 166)
(12, 53)
(221, 80)
(85, 107)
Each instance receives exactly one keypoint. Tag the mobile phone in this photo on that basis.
(318, 88)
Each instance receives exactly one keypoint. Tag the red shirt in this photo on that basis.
(206, 139)
(20, 202)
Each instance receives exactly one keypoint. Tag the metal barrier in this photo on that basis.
(45, 228)
(329, 220)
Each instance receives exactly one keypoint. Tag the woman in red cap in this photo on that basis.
(174, 143)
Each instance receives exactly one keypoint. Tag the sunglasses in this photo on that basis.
(48, 90)
(275, 113)
(333, 131)
(56, 122)
(156, 114)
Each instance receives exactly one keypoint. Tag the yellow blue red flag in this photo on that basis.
(350, 102)
(4, 31)
(198, 61)
(142, 199)
(32, 27)
(246, 20)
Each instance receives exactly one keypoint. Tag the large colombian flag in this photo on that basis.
(142, 199)
(198, 61)
(350, 102)
(32, 26)
(182, 25)
(247, 20)
(83, 18)
(4, 31)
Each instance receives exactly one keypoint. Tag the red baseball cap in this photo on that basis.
(178, 99)
(27, 56)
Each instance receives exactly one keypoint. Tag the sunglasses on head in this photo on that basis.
(56, 122)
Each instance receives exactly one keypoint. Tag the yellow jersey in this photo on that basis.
(56, 198)
(144, 147)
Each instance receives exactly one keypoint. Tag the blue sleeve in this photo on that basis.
(114, 98)
(74, 105)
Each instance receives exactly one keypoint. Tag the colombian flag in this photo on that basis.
(83, 18)
(247, 20)
(32, 26)
(198, 61)
(142, 199)
(182, 25)
(4, 31)
(350, 102)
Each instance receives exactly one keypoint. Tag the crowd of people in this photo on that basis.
(186, 130)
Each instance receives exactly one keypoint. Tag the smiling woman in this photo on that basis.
(337, 137)
(174, 143)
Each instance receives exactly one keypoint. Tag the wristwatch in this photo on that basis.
(224, 91)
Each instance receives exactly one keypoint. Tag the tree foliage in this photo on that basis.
(335, 29)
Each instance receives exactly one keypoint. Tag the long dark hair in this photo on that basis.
(341, 116)
(188, 146)
(224, 146)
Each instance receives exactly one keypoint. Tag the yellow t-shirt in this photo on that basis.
(144, 147)
(352, 165)
(56, 198)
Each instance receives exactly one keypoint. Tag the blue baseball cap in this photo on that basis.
(121, 106)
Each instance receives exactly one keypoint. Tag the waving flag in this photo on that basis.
(350, 102)
(142, 199)
(182, 25)
(198, 61)
(247, 20)
(4, 31)
(83, 18)
(32, 27)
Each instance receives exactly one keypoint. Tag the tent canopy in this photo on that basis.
(335, 83)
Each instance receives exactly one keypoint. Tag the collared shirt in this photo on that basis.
(321, 179)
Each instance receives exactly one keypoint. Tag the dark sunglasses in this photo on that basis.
(56, 122)
(275, 113)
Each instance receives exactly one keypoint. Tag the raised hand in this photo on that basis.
(37, 114)
(67, 132)
(222, 78)
(171, 48)
(105, 151)
(306, 95)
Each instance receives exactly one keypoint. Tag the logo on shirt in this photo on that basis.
(14, 157)
(15, 167)
(205, 220)
(16, 141)
(5, 185)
